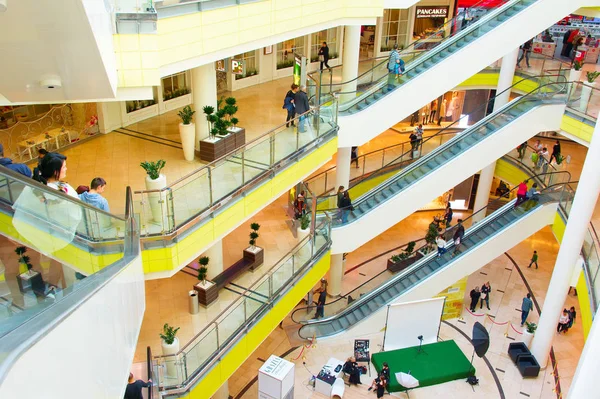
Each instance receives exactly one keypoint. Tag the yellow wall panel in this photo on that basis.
(131, 61)
(257, 32)
(221, 15)
(219, 43)
(254, 21)
(148, 42)
(260, 8)
(151, 77)
(585, 311)
(133, 78)
(129, 43)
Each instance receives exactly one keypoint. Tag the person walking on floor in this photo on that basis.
(534, 259)
(324, 56)
(475, 295)
(448, 215)
(572, 316)
(302, 107)
(526, 307)
(289, 105)
(521, 193)
(321, 303)
(555, 152)
(521, 149)
(133, 390)
(526, 49)
(458, 237)
(563, 322)
(485, 295)
(354, 156)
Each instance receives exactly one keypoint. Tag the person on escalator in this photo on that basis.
(458, 237)
(395, 65)
(346, 207)
(134, 388)
(321, 303)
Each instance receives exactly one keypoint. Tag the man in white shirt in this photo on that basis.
(441, 245)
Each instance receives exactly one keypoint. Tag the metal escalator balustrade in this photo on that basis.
(85, 242)
(474, 236)
(193, 198)
(454, 35)
(438, 156)
(179, 372)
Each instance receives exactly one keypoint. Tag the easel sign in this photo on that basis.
(362, 353)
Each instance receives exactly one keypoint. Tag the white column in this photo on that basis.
(222, 392)
(342, 167)
(577, 225)
(350, 57)
(204, 92)
(507, 73)
(215, 255)
(336, 274)
(584, 382)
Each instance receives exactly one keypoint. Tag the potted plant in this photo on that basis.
(170, 346)
(430, 236)
(155, 181)
(187, 132)
(211, 118)
(529, 332)
(25, 266)
(406, 258)
(254, 254)
(304, 226)
(207, 290)
(586, 89)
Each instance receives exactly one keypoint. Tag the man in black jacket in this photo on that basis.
(324, 56)
(134, 388)
(302, 106)
(458, 237)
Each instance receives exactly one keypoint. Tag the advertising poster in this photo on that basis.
(237, 67)
(361, 350)
(297, 69)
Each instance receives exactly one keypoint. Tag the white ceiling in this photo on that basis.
(40, 37)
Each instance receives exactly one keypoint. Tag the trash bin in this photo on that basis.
(193, 301)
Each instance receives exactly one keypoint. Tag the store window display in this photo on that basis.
(175, 86)
(429, 25)
(286, 50)
(316, 40)
(394, 29)
(250, 63)
(137, 105)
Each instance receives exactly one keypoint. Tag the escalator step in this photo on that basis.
(413, 279)
(394, 290)
(386, 296)
(428, 270)
(351, 318)
(337, 326)
(420, 274)
(344, 322)
(404, 284)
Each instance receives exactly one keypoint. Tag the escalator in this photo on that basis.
(430, 274)
(460, 50)
(445, 166)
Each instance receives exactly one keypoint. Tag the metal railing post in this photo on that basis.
(210, 187)
(244, 164)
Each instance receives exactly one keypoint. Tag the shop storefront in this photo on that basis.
(428, 26)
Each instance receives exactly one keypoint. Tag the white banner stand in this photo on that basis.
(276, 379)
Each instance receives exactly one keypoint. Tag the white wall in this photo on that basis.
(351, 236)
(89, 354)
(363, 126)
(461, 267)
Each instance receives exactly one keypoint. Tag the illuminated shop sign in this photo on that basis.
(432, 12)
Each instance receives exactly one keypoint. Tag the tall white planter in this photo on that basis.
(187, 133)
(171, 367)
(574, 76)
(527, 338)
(158, 205)
(586, 93)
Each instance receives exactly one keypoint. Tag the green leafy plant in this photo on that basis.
(405, 254)
(254, 234)
(591, 76)
(153, 168)
(531, 327)
(285, 64)
(203, 269)
(186, 115)
(23, 259)
(304, 222)
(168, 334)
(432, 234)
(577, 65)
(234, 121)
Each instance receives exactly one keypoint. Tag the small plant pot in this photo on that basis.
(207, 292)
(255, 256)
(396, 267)
(187, 133)
(172, 349)
(301, 233)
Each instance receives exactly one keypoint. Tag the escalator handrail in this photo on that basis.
(16, 342)
(344, 296)
(369, 175)
(423, 159)
(360, 301)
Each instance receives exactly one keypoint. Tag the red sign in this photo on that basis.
(479, 3)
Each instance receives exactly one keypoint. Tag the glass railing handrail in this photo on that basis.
(192, 376)
(365, 298)
(5, 172)
(30, 331)
(212, 164)
(421, 160)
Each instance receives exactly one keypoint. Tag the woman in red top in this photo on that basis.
(521, 193)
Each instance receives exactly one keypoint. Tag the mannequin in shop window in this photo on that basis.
(442, 111)
(451, 108)
(426, 112)
(434, 105)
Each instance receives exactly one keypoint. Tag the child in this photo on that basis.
(534, 259)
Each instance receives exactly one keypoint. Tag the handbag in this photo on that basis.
(457, 241)
(322, 58)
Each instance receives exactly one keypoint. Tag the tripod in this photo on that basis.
(420, 350)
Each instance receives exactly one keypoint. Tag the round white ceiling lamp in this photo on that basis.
(3, 5)
(50, 81)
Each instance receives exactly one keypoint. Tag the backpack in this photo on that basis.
(82, 189)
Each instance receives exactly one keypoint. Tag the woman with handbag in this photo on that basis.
(324, 56)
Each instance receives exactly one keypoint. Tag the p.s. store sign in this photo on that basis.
(432, 12)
